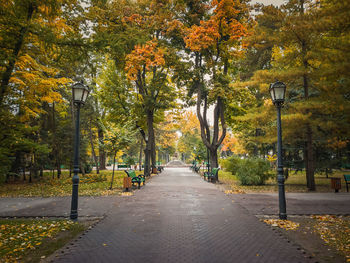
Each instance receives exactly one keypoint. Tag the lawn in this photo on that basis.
(295, 183)
(314, 232)
(89, 185)
(29, 240)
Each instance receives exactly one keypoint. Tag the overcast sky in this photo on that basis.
(268, 2)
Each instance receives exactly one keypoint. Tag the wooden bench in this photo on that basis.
(347, 181)
(136, 178)
(212, 174)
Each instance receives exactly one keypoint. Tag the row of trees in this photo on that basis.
(146, 58)
(304, 44)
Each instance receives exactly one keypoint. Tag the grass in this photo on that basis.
(89, 185)
(29, 240)
(296, 182)
(335, 232)
(314, 232)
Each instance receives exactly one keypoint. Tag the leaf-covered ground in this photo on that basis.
(335, 232)
(296, 183)
(326, 237)
(27, 240)
(89, 185)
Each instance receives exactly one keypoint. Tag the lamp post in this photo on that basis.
(147, 158)
(80, 94)
(277, 92)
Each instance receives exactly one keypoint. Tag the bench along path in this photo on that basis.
(179, 217)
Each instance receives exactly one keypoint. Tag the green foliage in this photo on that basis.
(251, 171)
(231, 164)
(129, 160)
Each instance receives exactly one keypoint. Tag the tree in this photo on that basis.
(119, 138)
(214, 42)
(30, 77)
(297, 51)
(144, 58)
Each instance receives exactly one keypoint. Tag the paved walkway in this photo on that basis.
(178, 217)
(297, 203)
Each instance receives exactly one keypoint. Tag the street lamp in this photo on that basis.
(278, 91)
(80, 94)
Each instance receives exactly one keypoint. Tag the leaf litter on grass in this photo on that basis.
(17, 237)
(334, 231)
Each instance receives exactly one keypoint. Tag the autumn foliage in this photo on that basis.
(222, 26)
(144, 58)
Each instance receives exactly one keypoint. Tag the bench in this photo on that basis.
(196, 169)
(136, 178)
(193, 166)
(347, 181)
(212, 174)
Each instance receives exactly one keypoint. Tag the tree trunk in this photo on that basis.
(24, 170)
(205, 131)
(213, 157)
(211, 142)
(101, 148)
(140, 156)
(55, 143)
(31, 169)
(310, 170)
(151, 140)
(12, 59)
(146, 166)
(58, 168)
(309, 160)
(93, 150)
(115, 153)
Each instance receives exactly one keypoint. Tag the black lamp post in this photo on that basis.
(80, 94)
(277, 92)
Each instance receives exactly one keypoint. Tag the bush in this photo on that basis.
(252, 171)
(231, 164)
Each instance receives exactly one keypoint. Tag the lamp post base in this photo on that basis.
(283, 216)
(74, 205)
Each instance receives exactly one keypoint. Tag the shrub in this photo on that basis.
(252, 171)
(231, 164)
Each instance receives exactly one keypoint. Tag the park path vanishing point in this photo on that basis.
(178, 217)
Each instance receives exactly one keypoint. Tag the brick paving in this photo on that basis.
(56, 206)
(297, 203)
(178, 217)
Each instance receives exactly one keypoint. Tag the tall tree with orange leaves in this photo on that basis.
(144, 55)
(214, 44)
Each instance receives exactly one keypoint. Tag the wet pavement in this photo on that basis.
(179, 217)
